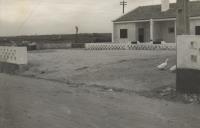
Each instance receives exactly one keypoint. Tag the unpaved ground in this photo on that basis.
(132, 70)
(36, 103)
(93, 89)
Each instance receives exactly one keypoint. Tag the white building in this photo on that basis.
(149, 23)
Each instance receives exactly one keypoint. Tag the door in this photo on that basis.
(197, 30)
(141, 34)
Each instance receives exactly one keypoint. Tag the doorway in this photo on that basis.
(197, 30)
(141, 34)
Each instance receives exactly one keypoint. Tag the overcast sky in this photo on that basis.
(27, 17)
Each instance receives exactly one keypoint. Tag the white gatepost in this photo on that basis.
(188, 63)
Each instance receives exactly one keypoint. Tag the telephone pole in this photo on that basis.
(123, 3)
(182, 18)
(186, 79)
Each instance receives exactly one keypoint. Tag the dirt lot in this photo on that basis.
(132, 70)
(92, 89)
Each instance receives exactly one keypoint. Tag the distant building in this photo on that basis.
(149, 23)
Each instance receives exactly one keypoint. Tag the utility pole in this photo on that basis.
(186, 79)
(123, 3)
(182, 18)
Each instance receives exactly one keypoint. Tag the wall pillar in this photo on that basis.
(113, 31)
(175, 31)
(188, 64)
(151, 29)
(188, 71)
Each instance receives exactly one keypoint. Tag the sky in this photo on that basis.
(36, 17)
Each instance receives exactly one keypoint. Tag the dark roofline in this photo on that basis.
(142, 12)
(126, 13)
(138, 8)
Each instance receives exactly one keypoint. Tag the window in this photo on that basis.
(171, 30)
(194, 58)
(197, 30)
(123, 33)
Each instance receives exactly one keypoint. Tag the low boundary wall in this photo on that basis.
(40, 46)
(14, 55)
(12, 59)
(123, 46)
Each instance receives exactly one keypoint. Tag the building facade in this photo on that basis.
(149, 23)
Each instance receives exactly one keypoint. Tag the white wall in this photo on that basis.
(193, 23)
(146, 26)
(188, 52)
(14, 55)
(131, 32)
(157, 33)
(160, 30)
(168, 37)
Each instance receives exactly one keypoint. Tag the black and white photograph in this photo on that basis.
(99, 63)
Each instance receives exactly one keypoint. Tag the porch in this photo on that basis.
(156, 31)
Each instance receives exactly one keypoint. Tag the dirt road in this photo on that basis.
(36, 103)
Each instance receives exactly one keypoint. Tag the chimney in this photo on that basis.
(164, 5)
